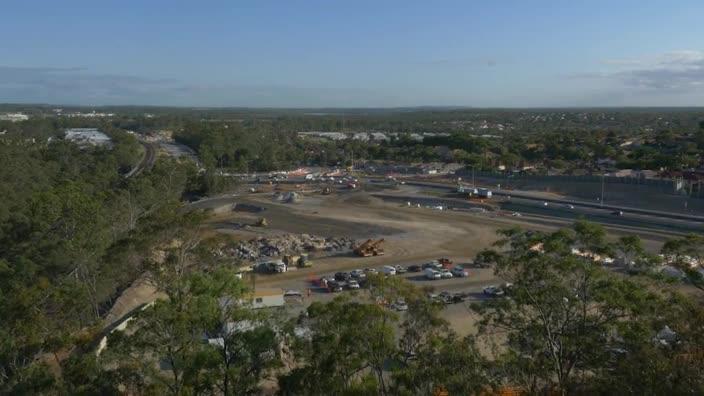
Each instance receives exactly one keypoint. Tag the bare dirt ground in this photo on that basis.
(412, 236)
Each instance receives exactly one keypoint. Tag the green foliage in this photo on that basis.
(67, 218)
(687, 253)
(568, 320)
(168, 346)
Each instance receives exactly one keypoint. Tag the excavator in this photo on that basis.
(370, 248)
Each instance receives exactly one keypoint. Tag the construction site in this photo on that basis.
(296, 236)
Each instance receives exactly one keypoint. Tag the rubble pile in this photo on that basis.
(287, 244)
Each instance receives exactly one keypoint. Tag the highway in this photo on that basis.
(525, 202)
(536, 197)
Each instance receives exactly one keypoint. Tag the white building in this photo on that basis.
(14, 117)
(87, 136)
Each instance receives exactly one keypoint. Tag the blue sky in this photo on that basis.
(353, 53)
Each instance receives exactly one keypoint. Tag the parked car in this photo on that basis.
(493, 291)
(445, 273)
(445, 297)
(414, 268)
(353, 284)
(432, 274)
(459, 272)
(459, 297)
(432, 264)
(400, 269)
(370, 270)
(388, 270)
(334, 287)
(516, 214)
(358, 274)
(342, 276)
(399, 305)
(507, 288)
(293, 293)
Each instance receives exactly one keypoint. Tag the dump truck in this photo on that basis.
(302, 261)
(370, 248)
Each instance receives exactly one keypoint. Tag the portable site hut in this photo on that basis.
(266, 298)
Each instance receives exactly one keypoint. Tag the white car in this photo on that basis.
(570, 206)
(293, 293)
(353, 284)
(493, 291)
(516, 214)
(432, 274)
(400, 269)
(358, 274)
(445, 273)
(459, 272)
(388, 270)
(370, 270)
(400, 305)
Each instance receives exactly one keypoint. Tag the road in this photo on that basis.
(147, 161)
(529, 203)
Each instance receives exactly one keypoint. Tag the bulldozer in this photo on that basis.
(370, 248)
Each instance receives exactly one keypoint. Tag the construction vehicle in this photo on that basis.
(271, 267)
(326, 191)
(261, 222)
(370, 248)
(302, 261)
(445, 262)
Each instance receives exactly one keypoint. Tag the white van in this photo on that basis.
(388, 270)
(432, 274)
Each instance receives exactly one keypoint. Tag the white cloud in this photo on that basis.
(681, 71)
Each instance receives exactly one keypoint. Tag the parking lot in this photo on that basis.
(470, 288)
